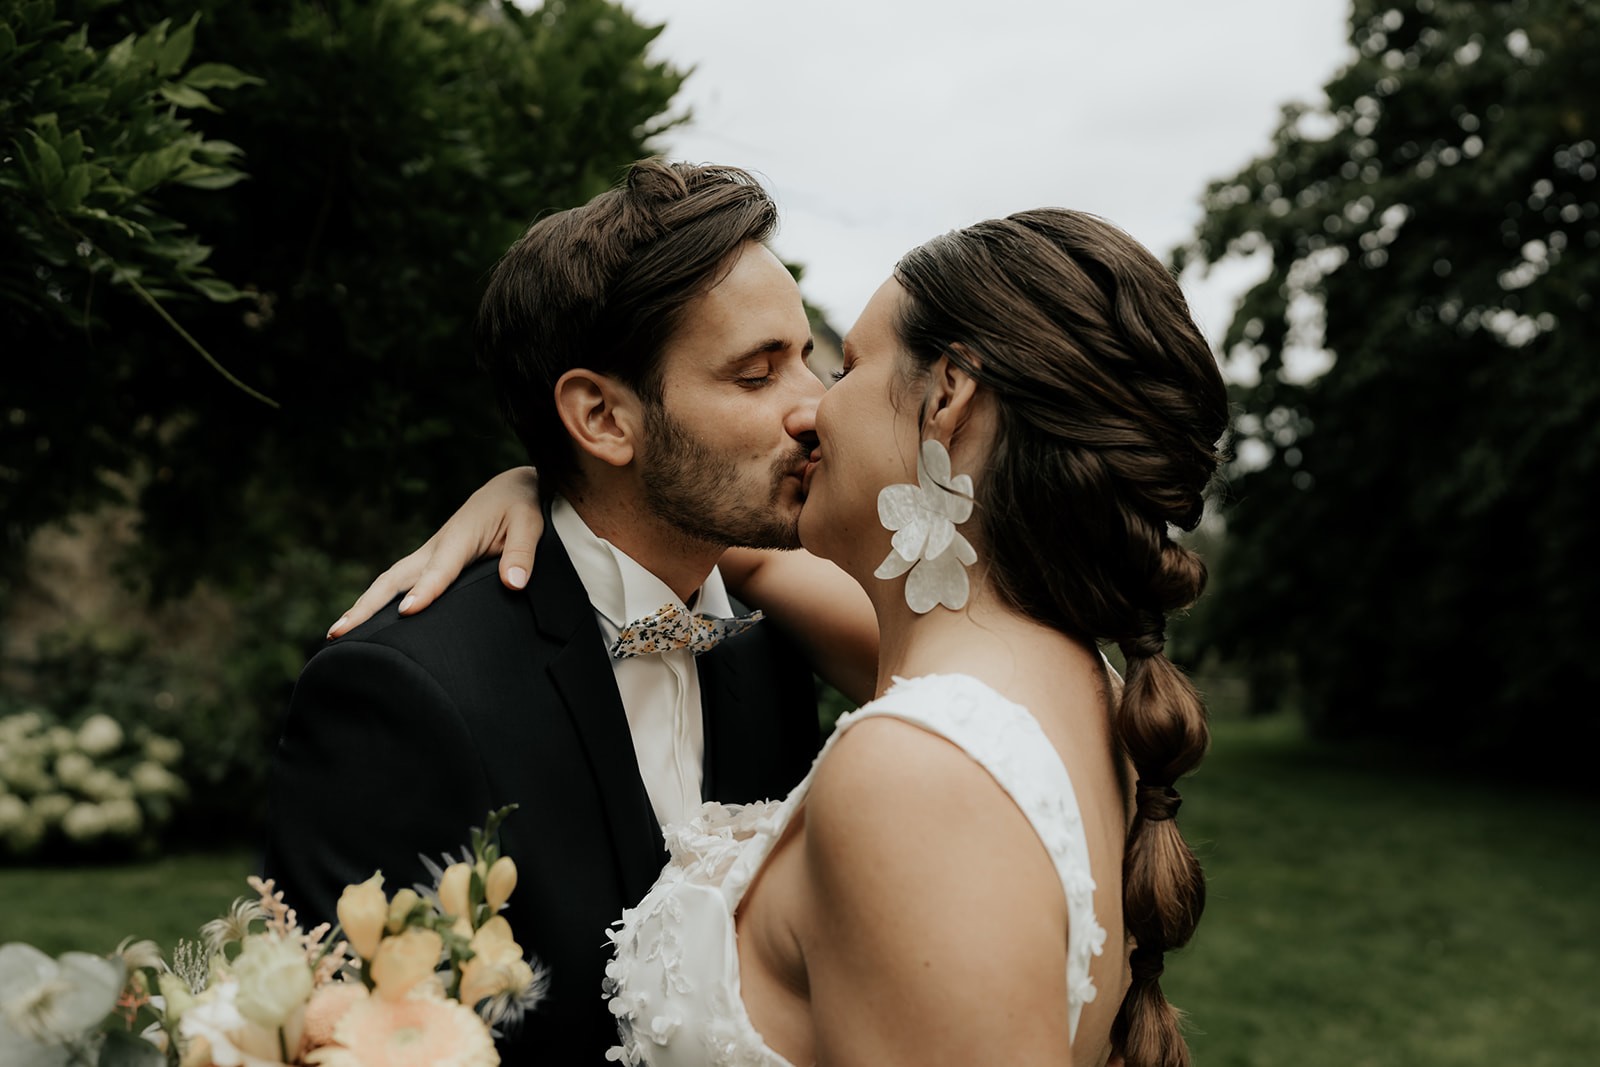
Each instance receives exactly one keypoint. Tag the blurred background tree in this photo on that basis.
(354, 167)
(1410, 539)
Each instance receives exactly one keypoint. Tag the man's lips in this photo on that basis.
(810, 469)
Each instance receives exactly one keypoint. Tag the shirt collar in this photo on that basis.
(619, 588)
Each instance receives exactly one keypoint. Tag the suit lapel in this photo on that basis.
(587, 689)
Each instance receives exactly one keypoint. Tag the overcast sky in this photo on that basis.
(880, 123)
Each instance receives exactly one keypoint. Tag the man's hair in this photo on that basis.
(605, 286)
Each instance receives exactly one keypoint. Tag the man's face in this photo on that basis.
(725, 449)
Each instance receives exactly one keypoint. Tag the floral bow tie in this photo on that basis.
(671, 627)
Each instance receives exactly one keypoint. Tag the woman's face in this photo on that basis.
(867, 438)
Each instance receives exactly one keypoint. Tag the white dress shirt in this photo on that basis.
(660, 692)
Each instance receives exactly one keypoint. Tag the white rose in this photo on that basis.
(274, 980)
(100, 735)
(60, 739)
(235, 1041)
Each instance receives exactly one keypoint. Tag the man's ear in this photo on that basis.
(603, 417)
(951, 400)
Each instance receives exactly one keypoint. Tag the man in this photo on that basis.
(650, 353)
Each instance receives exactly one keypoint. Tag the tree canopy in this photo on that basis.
(242, 243)
(311, 191)
(1410, 526)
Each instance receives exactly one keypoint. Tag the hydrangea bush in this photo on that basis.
(91, 787)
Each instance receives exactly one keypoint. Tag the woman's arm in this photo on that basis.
(819, 605)
(932, 923)
(501, 516)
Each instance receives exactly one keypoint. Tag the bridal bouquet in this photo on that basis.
(395, 984)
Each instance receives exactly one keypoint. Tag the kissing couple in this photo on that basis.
(981, 865)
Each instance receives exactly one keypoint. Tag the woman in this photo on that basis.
(1025, 409)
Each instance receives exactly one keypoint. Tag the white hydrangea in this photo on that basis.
(84, 822)
(73, 769)
(60, 739)
(164, 750)
(151, 779)
(100, 735)
(103, 784)
(13, 809)
(123, 818)
(52, 807)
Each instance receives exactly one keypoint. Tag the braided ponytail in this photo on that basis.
(1161, 725)
(1110, 409)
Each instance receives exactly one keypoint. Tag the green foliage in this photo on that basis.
(93, 136)
(1409, 531)
(394, 149)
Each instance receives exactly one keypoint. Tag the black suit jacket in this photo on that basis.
(406, 733)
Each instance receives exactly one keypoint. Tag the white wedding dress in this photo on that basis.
(674, 982)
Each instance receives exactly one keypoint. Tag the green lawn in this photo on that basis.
(1363, 915)
(1360, 914)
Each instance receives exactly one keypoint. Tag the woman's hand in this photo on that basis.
(502, 516)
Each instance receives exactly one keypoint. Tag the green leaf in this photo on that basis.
(175, 53)
(211, 178)
(146, 171)
(8, 40)
(218, 290)
(73, 188)
(219, 76)
(184, 96)
(121, 53)
(50, 172)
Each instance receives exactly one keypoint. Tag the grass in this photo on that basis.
(1361, 913)
(92, 908)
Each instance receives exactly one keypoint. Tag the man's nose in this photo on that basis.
(801, 420)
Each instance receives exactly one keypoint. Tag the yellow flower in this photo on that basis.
(455, 888)
(363, 910)
(399, 908)
(501, 881)
(496, 966)
(404, 960)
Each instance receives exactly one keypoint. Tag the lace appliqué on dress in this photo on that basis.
(703, 851)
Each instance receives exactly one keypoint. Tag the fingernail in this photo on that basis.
(517, 576)
(342, 620)
(405, 604)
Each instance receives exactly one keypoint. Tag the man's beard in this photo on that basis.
(700, 494)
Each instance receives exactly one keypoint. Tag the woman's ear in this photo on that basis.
(951, 399)
(603, 417)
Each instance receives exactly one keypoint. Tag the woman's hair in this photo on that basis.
(1110, 413)
(604, 286)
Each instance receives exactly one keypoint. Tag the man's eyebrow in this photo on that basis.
(769, 347)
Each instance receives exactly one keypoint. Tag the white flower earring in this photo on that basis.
(926, 543)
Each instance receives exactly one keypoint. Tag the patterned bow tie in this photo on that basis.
(671, 627)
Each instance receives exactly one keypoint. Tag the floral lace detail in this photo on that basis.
(673, 983)
(703, 851)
